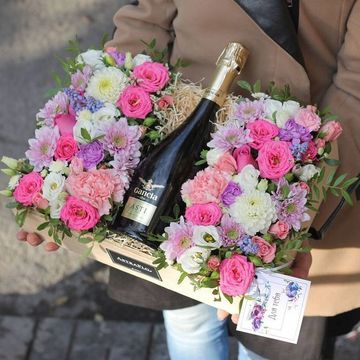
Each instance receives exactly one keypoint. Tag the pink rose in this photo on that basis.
(213, 263)
(320, 143)
(280, 229)
(165, 101)
(134, 102)
(308, 118)
(206, 187)
(275, 159)
(78, 215)
(65, 122)
(304, 186)
(236, 275)
(151, 76)
(95, 187)
(262, 131)
(226, 163)
(311, 152)
(29, 186)
(332, 130)
(39, 201)
(203, 214)
(243, 157)
(66, 148)
(266, 250)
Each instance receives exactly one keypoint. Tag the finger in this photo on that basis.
(222, 314)
(235, 318)
(34, 239)
(21, 235)
(51, 246)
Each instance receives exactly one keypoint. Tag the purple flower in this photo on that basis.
(42, 148)
(247, 246)
(294, 133)
(228, 137)
(91, 154)
(230, 231)
(231, 192)
(256, 323)
(80, 79)
(257, 312)
(292, 289)
(80, 102)
(57, 105)
(116, 55)
(248, 111)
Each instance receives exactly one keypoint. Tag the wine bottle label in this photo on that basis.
(139, 211)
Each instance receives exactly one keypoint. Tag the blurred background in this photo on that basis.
(55, 306)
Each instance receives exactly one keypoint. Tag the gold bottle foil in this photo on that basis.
(229, 65)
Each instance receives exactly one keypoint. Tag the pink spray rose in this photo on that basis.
(203, 214)
(226, 163)
(40, 202)
(151, 76)
(65, 122)
(320, 143)
(206, 187)
(261, 131)
(332, 130)
(236, 275)
(66, 148)
(29, 186)
(165, 101)
(213, 263)
(311, 152)
(78, 215)
(243, 157)
(303, 185)
(266, 250)
(308, 118)
(280, 229)
(275, 159)
(134, 102)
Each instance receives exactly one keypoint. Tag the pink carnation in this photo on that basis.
(66, 148)
(275, 159)
(29, 186)
(151, 76)
(236, 275)
(206, 187)
(95, 187)
(134, 102)
(261, 131)
(308, 118)
(266, 250)
(78, 215)
(243, 157)
(226, 163)
(332, 130)
(203, 214)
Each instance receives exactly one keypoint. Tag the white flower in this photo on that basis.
(305, 173)
(56, 205)
(87, 125)
(260, 95)
(140, 59)
(93, 58)
(58, 166)
(107, 84)
(262, 185)
(53, 185)
(106, 113)
(84, 115)
(248, 178)
(192, 259)
(206, 236)
(282, 111)
(213, 155)
(14, 182)
(254, 210)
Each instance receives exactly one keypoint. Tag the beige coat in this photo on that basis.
(329, 36)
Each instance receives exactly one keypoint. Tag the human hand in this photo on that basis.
(35, 240)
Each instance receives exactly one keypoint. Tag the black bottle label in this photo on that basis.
(142, 202)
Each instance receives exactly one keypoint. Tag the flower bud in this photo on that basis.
(6, 192)
(9, 172)
(128, 61)
(109, 60)
(9, 162)
(149, 121)
(262, 185)
(43, 173)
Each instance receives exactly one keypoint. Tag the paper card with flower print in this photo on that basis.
(277, 306)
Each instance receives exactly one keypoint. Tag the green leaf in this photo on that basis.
(43, 226)
(104, 39)
(182, 278)
(85, 240)
(20, 217)
(349, 182)
(176, 211)
(334, 192)
(332, 162)
(324, 192)
(200, 162)
(228, 298)
(88, 251)
(321, 175)
(339, 180)
(12, 205)
(255, 260)
(166, 219)
(85, 134)
(257, 86)
(99, 237)
(215, 275)
(245, 85)
(209, 283)
(347, 197)
(330, 179)
(316, 191)
(67, 232)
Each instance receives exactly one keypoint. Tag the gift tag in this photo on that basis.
(277, 308)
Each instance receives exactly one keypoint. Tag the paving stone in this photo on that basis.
(159, 350)
(15, 337)
(89, 352)
(53, 339)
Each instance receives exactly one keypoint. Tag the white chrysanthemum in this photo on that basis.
(213, 155)
(93, 58)
(248, 178)
(192, 259)
(254, 210)
(56, 205)
(53, 185)
(58, 166)
(14, 182)
(206, 236)
(84, 115)
(282, 111)
(305, 173)
(106, 84)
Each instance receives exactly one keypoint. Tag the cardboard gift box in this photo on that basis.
(133, 257)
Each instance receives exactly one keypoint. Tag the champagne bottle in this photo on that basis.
(158, 178)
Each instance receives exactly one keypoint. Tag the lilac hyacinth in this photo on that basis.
(57, 105)
(247, 111)
(91, 154)
(230, 231)
(229, 136)
(294, 132)
(80, 102)
(290, 204)
(247, 246)
(179, 239)
(42, 148)
(231, 192)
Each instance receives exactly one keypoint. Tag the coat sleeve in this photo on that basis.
(147, 20)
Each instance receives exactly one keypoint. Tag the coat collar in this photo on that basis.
(273, 17)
